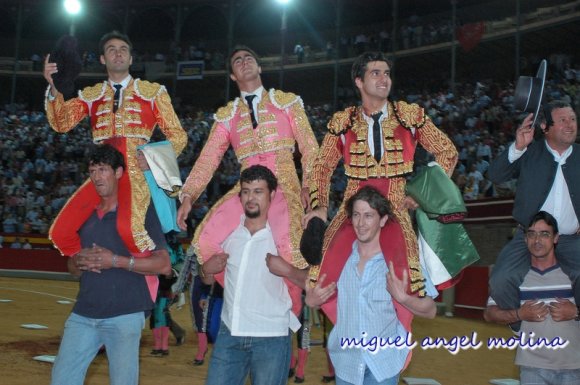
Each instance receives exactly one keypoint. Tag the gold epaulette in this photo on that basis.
(409, 115)
(147, 90)
(283, 100)
(92, 93)
(341, 121)
(226, 113)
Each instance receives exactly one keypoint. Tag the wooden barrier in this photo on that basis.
(33, 260)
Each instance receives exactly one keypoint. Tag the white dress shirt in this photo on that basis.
(256, 302)
(258, 97)
(558, 202)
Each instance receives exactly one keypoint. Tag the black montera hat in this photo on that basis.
(529, 91)
(69, 64)
(312, 239)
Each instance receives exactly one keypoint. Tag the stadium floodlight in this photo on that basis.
(72, 7)
(283, 27)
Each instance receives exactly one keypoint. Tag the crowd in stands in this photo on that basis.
(40, 169)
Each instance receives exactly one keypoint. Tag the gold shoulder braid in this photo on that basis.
(226, 112)
(282, 99)
(409, 115)
(147, 90)
(92, 93)
(342, 121)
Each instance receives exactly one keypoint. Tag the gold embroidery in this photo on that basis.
(255, 148)
(93, 93)
(132, 118)
(226, 112)
(169, 122)
(340, 121)
(322, 170)
(409, 115)
(140, 198)
(64, 116)
(132, 106)
(290, 186)
(246, 136)
(209, 160)
(282, 99)
(306, 140)
(265, 131)
(266, 117)
(147, 90)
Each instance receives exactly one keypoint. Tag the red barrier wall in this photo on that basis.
(471, 292)
(37, 260)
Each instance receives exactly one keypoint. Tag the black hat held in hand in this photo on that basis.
(312, 239)
(529, 91)
(69, 64)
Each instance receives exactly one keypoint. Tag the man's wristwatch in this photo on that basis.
(577, 313)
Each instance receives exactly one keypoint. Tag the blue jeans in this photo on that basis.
(266, 359)
(84, 336)
(539, 376)
(369, 379)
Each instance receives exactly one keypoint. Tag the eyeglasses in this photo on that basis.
(530, 234)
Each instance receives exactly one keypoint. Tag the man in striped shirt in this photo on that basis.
(549, 341)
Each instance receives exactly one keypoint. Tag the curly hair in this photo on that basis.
(106, 154)
(258, 172)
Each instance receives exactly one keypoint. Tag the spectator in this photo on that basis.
(299, 52)
(26, 245)
(16, 244)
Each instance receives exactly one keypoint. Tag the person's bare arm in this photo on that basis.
(278, 266)
(531, 311)
(216, 264)
(49, 70)
(98, 258)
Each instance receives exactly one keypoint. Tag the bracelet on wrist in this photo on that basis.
(203, 274)
(114, 260)
(131, 263)
(518, 315)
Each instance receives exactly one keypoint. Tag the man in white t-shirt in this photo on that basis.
(257, 318)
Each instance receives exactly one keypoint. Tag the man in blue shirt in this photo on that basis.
(367, 287)
(114, 297)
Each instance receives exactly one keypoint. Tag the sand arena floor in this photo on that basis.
(34, 301)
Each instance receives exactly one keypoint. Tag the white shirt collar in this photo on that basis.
(384, 110)
(557, 157)
(124, 82)
(258, 92)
